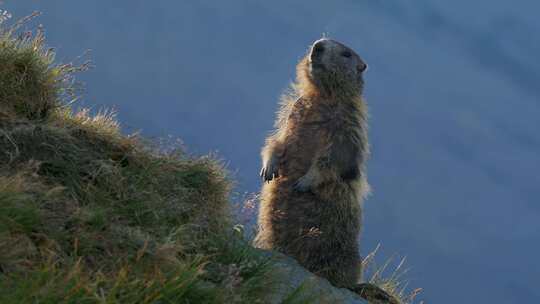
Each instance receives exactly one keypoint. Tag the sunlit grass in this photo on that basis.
(390, 277)
(32, 85)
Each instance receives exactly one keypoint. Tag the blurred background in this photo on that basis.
(454, 95)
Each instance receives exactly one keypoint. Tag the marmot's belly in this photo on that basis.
(329, 192)
(328, 214)
(297, 159)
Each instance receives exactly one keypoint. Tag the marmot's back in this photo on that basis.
(314, 166)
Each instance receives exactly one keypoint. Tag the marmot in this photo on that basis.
(314, 166)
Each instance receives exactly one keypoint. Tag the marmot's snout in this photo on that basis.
(317, 51)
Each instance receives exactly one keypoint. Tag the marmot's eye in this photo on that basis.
(346, 54)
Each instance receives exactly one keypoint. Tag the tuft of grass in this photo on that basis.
(390, 277)
(31, 84)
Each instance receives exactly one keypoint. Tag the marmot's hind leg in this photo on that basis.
(329, 253)
(341, 267)
(343, 270)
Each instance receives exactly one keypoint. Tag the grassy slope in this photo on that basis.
(88, 215)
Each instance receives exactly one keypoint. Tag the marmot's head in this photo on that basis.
(331, 68)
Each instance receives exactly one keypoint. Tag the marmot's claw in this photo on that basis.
(270, 170)
(267, 174)
(263, 174)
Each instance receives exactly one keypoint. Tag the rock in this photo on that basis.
(299, 285)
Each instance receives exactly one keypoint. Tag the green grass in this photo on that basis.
(89, 215)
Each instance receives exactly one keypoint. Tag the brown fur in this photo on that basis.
(314, 167)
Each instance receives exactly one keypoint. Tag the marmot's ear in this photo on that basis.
(362, 67)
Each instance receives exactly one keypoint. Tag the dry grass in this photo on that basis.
(390, 277)
(31, 84)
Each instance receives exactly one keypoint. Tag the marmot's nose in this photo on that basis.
(318, 49)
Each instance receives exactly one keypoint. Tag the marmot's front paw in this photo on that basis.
(269, 170)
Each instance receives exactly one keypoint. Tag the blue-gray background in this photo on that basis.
(453, 88)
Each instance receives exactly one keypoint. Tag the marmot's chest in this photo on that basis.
(320, 124)
(311, 131)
